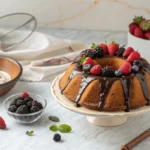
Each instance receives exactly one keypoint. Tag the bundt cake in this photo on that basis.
(108, 78)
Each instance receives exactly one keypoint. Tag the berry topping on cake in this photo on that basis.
(25, 94)
(104, 46)
(128, 51)
(113, 48)
(133, 56)
(118, 73)
(87, 53)
(120, 51)
(88, 60)
(96, 70)
(125, 68)
(87, 67)
(135, 68)
(2, 123)
(98, 52)
(108, 71)
(138, 63)
(138, 32)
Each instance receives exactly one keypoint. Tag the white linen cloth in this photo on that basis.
(43, 55)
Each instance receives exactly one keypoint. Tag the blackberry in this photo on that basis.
(29, 104)
(20, 102)
(87, 53)
(35, 103)
(15, 100)
(34, 109)
(120, 51)
(138, 63)
(87, 67)
(23, 109)
(108, 72)
(27, 99)
(57, 137)
(98, 52)
(12, 108)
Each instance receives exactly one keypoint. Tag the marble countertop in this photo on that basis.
(84, 136)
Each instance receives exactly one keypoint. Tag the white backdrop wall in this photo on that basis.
(80, 14)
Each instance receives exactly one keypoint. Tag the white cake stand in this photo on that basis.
(95, 117)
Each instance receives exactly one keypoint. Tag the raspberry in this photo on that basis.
(25, 94)
(96, 70)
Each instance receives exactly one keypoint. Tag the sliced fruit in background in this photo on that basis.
(134, 56)
(113, 48)
(104, 46)
(96, 70)
(138, 32)
(2, 123)
(125, 68)
(88, 60)
(128, 51)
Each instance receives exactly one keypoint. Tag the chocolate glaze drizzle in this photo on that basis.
(106, 83)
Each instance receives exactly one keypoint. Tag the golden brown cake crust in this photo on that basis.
(115, 97)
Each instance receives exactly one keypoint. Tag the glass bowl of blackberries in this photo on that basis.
(25, 107)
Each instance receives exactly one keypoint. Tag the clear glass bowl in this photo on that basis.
(25, 118)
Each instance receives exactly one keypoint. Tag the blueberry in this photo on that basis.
(57, 137)
(87, 67)
(118, 73)
(135, 68)
(138, 63)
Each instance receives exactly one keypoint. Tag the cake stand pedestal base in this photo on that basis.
(107, 121)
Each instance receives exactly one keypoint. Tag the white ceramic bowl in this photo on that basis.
(142, 45)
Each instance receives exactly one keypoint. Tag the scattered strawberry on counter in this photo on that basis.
(140, 27)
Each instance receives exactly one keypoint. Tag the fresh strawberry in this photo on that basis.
(25, 94)
(138, 32)
(128, 51)
(132, 28)
(125, 68)
(147, 35)
(133, 56)
(113, 48)
(96, 70)
(88, 60)
(104, 46)
(2, 123)
(131, 24)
